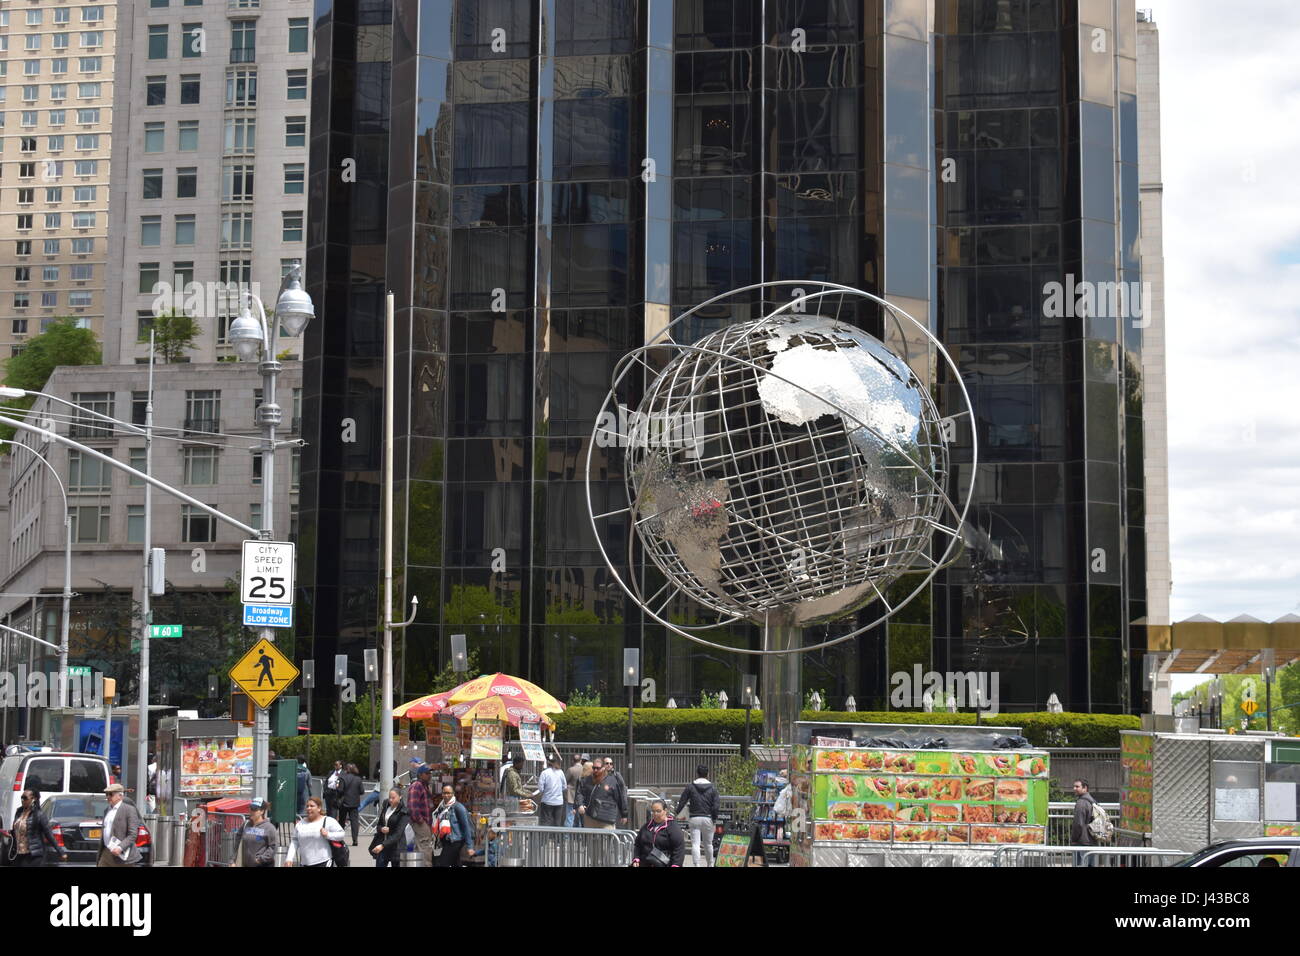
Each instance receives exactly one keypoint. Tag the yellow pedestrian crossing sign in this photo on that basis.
(264, 673)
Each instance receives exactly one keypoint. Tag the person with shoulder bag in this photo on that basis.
(702, 797)
(30, 834)
(660, 842)
(451, 828)
(390, 831)
(317, 840)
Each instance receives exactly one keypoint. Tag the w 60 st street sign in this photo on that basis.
(266, 583)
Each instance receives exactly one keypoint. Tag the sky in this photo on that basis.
(1230, 132)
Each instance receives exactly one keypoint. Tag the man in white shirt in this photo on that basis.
(121, 824)
(550, 796)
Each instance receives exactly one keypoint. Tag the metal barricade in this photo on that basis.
(222, 838)
(562, 846)
(1098, 765)
(1085, 856)
(665, 766)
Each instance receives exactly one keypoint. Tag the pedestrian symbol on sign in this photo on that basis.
(265, 662)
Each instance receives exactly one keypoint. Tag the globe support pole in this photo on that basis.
(781, 679)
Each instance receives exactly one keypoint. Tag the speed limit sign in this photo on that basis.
(266, 583)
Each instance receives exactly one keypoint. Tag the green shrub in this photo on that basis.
(325, 749)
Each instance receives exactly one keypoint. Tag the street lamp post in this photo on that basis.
(252, 338)
(631, 680)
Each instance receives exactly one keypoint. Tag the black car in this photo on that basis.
(1265, 852)
(77, 821)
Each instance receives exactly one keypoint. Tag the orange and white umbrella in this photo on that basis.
(512, 689)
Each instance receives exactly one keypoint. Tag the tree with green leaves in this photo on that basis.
(60, 343)
(173, 335)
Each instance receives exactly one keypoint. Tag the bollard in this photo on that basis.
(411, 858)
(160, 835)
(179, 832)
(281, 854)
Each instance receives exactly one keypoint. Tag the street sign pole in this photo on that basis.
(266, 592)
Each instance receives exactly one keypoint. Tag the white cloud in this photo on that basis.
(1230, 101)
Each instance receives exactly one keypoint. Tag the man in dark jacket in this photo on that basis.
(702, 797)
(660, 842)
(1084, 802)
(606, 805)
(350, 799)
(390, 831)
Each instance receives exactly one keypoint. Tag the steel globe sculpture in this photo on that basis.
(785, 470)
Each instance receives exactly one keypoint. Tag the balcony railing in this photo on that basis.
(88, 428)
(209, 425)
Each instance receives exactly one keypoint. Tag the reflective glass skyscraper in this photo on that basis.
(544, 183)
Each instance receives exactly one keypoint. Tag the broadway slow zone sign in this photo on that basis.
(266, 583)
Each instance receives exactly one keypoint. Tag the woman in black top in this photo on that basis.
(30, 834)
(390, 831)
(660, 842)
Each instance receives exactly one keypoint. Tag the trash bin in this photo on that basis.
(411, 858)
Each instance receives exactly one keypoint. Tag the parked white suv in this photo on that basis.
(52, 774)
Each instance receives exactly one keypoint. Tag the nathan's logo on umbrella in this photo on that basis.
(524, 714)
(506, 690)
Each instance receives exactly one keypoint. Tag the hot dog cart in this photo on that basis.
(1186, 791)
(199, 759)
(913, 794)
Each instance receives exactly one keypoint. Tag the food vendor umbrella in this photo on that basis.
(514, 689)
(497, 708)
(422, 708)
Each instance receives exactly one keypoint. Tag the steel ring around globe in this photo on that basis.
(749, 331)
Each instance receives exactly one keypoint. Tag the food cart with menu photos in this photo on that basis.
(201, 759)
(936, 795)
(1186, 791)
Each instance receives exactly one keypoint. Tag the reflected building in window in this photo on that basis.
(543, 186)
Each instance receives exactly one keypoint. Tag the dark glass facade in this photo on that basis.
(545, 183)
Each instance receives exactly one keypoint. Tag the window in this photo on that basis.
(59, 41)
(24, 220)
(157, 41)
(89, 64)
(53, 169)
(188, 136)
(58, 117)
(85, 167)
(241, 88)
(257, 465)
(59, 66)
(200, 464)
(22, 273)
(295, 470)
(85, 425)
(23, 247)
(197, 527)
(189, 89)
(83, 247)
(89, 117)
(235, 272)
(236, 230)
(243, 41)
(32, 93)
(82, 272)
(148, 278)
(49, 300)
(88, 475)
(53, 220)
(32, 68)
(187, 182)
(83, 220)
(58, 91)
(237, 183)
(255, 516)
(241, 134)
(135, 524)
(295, 131)
(89, 523)
(20, 327)
(53, 194)
(135, 456)
(79, 300)
(49, 273)
(156, 4)
(155, 91)
(54, 144)
(193, 40)
(83, 193)
(297, 34)
(92, 14)
(22, 300)
(51, 247)
(150, 230)
(96, 38)
(182, 274)
(293, 178)
(27, 144)
(87, 141)
(153, 184)
(185, 230)
(297, 85)
(88, 91)
(29, 117)
(154, 137)
(203, 411)
(34, 17)
(45, 776)
(292, 231)
(25, 196)
(26, 170)
(143, 326)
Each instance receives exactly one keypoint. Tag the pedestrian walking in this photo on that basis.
(1084, 807)
(30, 834)
(258, 837)
(121, 825)
(451, 829)
(610, 768)
(571, 778)
(333, 788)
(582, 794)
(660, 842)
(606, 803)
(419, 799)
(704, 802)
(350, 786)
(550, 795)
(390, 831)
(304, 784)
(310, 843)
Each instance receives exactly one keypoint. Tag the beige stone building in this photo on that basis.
(56, 121)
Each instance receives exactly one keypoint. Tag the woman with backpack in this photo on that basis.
(313, 838)
(704, 802)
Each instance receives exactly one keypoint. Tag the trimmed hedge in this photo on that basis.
(656, 725)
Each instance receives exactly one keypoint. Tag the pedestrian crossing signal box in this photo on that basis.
(284, 717)
(241, 708)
